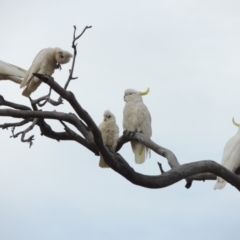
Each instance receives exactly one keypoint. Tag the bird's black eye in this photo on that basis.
(130, 94)
(62, 56)
(109, 116)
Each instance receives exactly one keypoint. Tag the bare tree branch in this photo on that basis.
(61, 136)
(69, 96)
(3, 102)
(47, 131)
(16, 124)
(160, 167)
(83, 114)
(68, 118)
(92, 139)
(80, 125)
(97, 136)
(164, 152)
(117, 163)
(46, 99)
(76, 38)
(79, 139)
(23, 133)
(74, 46)
(174, 175)
(71, 118)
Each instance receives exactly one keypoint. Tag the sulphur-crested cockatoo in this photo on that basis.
(136, 118)
(110, 134)
(45, 62)
(11, 72)
(231, 156)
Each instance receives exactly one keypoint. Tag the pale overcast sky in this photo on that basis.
(188, 53)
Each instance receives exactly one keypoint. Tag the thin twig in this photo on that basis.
(16, 124)
(3, 102)
(74, 46)
(47, 98)
(160, 167)
(76, 38)
(23, 133)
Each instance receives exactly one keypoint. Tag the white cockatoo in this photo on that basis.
(46, 61)
(110, 134)
(136, 118)
(11, 72)
(231, 156)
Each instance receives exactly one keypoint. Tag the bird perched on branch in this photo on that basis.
(46, 61)
(110, 134)
(136, 118)
(11, 72)
(231, 156)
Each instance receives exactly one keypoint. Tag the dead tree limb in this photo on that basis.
(89, 136)
(16, 124)
(23, 133)
(118, 164)
(83, 114)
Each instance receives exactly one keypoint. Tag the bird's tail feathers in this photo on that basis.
(102, 163)
(220, 184)
(26, 92)
(140, 152)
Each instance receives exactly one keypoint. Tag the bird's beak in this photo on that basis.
(124, 98)
(236, 124)
(145, 93)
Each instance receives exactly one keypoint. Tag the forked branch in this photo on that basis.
(23, 133)
(123, 168)
(74, 46)
(89, 136)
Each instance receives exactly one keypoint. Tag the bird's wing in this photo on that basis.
(29, 76)
(102, 128)
(116, 131)
(116, 136)
(130, 117)
(231, 153)
(7, 69)
(35, 67)
(101, 125)
(144, 119)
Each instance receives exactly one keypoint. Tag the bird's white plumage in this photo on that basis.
(136, 118)
(11, 72)
(231, 157)
(110, 134)
(45, 62)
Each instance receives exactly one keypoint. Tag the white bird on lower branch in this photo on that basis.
(11, 72)
(110, 134)
(136, 118)
(46, 61)
(231, 156)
